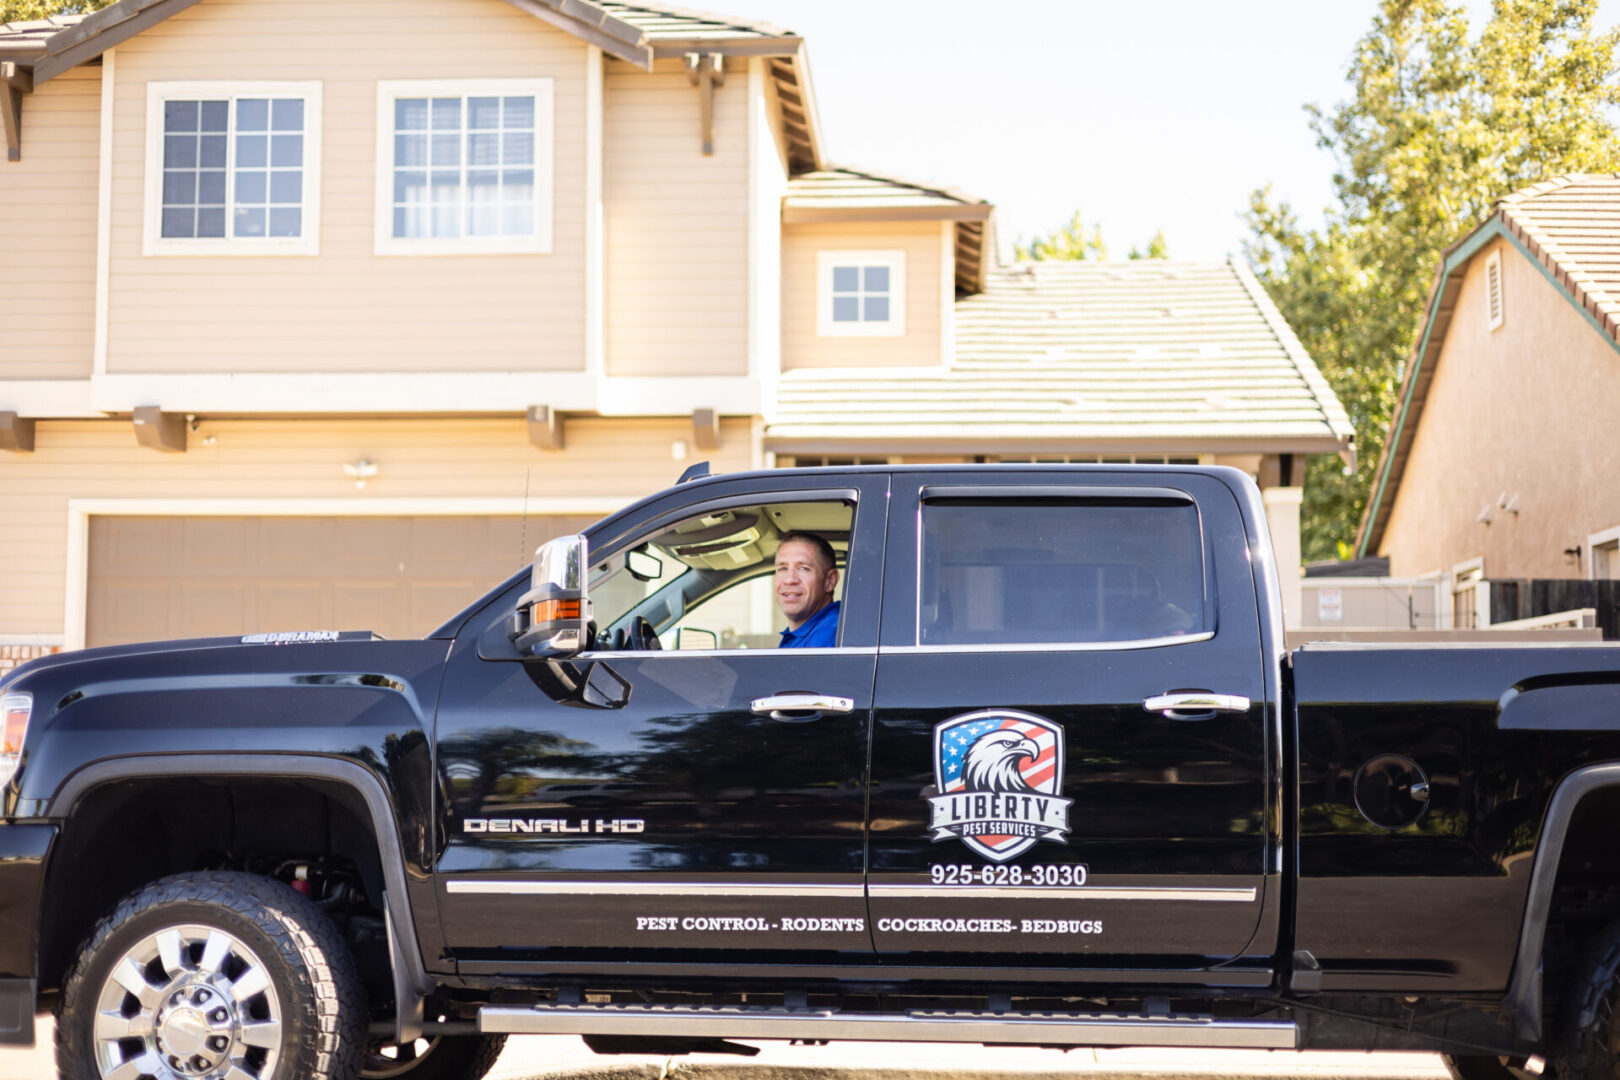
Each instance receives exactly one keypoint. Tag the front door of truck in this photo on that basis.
(1069, 758)
(704, 802)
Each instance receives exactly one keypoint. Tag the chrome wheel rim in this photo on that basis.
(394, 1059)
(187, 1003)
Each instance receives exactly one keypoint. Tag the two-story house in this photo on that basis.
(1497, 468)
(325, 312)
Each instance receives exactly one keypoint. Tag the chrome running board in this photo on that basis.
(1036, 1028)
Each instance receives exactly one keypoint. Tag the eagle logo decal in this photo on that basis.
(999, 778)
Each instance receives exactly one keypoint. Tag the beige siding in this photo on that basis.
(1527, 411)
(617, 460)
(348, 309)
(48, 233)
(676, 224)
(920, 345)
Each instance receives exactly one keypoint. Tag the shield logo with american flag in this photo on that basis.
(998, 774)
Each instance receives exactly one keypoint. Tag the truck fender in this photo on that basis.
(1523, 1001)
(411, 982)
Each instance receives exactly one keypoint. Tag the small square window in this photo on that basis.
(861, 294)
(232, 168)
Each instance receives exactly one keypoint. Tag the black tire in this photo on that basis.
(1588, 1042)
(1485, 1067)
(223, 967)
(450, 1057)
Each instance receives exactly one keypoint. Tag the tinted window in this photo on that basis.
(1003, 573)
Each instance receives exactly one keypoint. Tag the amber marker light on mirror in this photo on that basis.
(547, 611)
(14, 710)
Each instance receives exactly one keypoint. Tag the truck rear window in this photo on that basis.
(1006, 572)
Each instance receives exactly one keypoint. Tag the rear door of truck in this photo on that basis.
(1070, 758)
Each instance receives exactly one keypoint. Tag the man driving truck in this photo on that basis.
(806, 576)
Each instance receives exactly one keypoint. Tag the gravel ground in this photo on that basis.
(546, 1056)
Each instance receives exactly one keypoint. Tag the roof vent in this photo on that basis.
(1148, 352)
(1493, 289)
(1209, 352)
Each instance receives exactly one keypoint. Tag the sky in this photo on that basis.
(1147, 115)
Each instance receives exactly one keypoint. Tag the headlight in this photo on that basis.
(14, 710)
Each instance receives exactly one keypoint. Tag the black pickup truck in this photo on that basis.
(1058, 783)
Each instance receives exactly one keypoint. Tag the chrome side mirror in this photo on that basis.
(552, 617)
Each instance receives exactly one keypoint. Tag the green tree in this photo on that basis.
(21, 10)
(1157, 248)
(1439, 124)
(1072, 241)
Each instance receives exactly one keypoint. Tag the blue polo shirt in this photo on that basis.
(819, 631)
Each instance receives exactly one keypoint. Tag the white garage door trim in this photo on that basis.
(80, 511)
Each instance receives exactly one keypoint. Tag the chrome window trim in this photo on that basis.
(1191, 894)
(1057, 646)
(651, 888)
(642, 654)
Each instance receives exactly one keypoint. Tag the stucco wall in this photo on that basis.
(1528, 411)
(606, 464)
(347, 308)
(920, 345)
(48, 232)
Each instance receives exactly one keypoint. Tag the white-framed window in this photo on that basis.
(233, 168)
(1494, 313)
(464, 166)
(861, 294)
(1604, 564)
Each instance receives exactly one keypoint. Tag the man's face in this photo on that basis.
(804, 585)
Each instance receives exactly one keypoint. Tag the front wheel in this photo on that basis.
(211, 975)
(447, 1057)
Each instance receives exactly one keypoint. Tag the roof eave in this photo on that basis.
(749, 45)
(969, 443)
(810, 215)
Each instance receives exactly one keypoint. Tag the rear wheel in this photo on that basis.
(212, 974)
(1589, 1043)
(448, 1057)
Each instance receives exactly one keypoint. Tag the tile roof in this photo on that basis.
(1082, 355)
(32, 33)
(663, 21)
(840, 189)
(1570, 226)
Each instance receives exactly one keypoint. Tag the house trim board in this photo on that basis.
(1455, 260)
(80, 511)
(595, 288)
(383, 393)
(109, 67)
(947, 293)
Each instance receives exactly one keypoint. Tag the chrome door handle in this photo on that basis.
(780, 706)
(1196, 704)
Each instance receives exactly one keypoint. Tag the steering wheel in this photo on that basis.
(643, 638)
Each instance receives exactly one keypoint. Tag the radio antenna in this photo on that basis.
(523, 531)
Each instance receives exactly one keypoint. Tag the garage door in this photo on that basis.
(170, 577)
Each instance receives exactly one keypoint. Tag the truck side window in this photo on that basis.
(1012, 572)
(713, 585)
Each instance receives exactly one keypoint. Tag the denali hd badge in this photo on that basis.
(998, 773)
